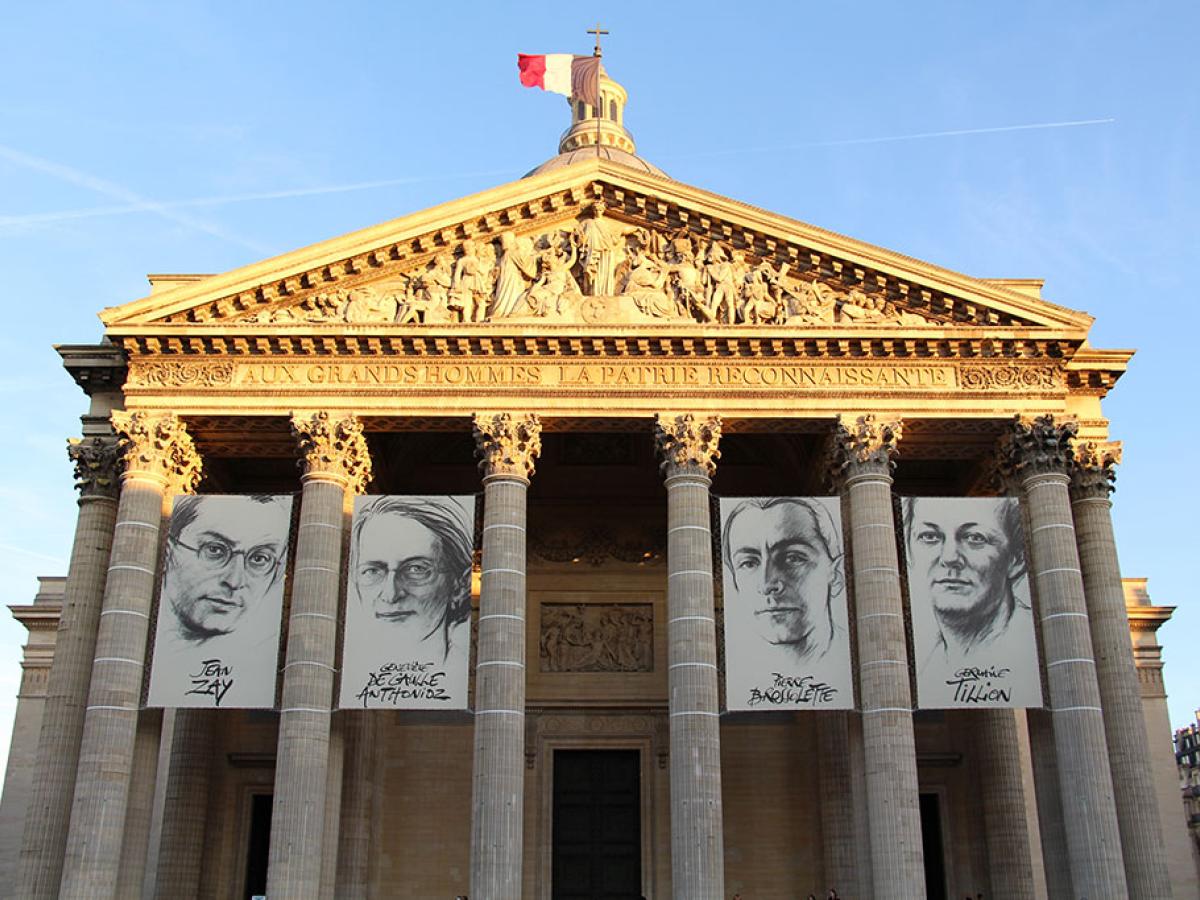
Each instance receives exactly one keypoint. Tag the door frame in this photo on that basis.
(586, 740)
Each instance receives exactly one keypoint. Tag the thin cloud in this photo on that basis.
(896, 138)
(32, 554)
(196, 202)
(124, 195)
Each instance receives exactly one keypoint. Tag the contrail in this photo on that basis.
(58, 561)
(896, 138)
(126, 196)
(95, 211)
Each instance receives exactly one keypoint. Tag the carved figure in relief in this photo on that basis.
(602, 250)
(555, 288)
(598, 637)
(722, 277)
(649, 286)
(687, 276)
(517, 270)
(434, 287)
(369, 305)
(471, 285)
(762, 304)
(814, 303)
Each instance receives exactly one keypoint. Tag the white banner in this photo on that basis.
(786, 641)
(973, 631)
(217, 639)
(408, 603)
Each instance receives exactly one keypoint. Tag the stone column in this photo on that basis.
(864, 449)
(1092, 476)
(336, 466)
(181, 849)
(507, 445)
(159, 460)
(1002, 796)
(1036, 456)
(139, 807)
(358, 801)
(687, 446)
(839, 841)
(44, 842)
(1048, 796)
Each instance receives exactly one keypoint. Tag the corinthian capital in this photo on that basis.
(158, 445)
(97, 462)
(863, 443)
(507, 444)
(1094, 468)
(687, 442)
(333, 449)
(1036, 446)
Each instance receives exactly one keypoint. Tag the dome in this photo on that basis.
(612, 154)
(604, 127)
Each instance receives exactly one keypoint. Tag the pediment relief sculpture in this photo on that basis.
(597, 270)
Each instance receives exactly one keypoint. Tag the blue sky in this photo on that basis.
(144, 137)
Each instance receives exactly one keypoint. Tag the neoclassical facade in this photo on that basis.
(596, 351)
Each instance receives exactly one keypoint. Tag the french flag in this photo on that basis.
(562, 73)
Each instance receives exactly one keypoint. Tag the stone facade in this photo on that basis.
(596, 351)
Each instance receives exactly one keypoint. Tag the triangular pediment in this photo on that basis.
(595, 244)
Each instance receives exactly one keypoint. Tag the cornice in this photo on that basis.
(1094, 371)
(560, 194)
(631, 342)
(94, 367)
(1148, 618)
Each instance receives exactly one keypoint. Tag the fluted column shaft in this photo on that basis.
(185, 817)
(507, 446)
(139, 808)
(1138, 818)
(1037, 456)
(1048, 795)
(336, 465)
(159, 458)
(688, 447)
(49, 813)
(839, 841)
(889, 746)
(358, 800)
(1010, 860)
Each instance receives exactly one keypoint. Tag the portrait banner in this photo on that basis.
(408, 603)
(216, 643)
(787, 645)
(972, 619)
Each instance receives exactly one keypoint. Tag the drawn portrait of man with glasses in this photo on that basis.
(221, 600)
(408, 602)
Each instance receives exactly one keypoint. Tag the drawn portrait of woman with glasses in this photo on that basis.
(408, 603)
(221, 599)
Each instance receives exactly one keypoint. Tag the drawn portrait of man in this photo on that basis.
(408, 603)
(786, 640)
(220, 602)
(973, 630)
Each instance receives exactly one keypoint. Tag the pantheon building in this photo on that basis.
(594, 536)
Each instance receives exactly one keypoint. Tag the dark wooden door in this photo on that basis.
(931, 844)
(597, 851)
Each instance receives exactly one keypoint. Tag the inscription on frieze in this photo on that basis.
(751, 375)
(597, 637)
